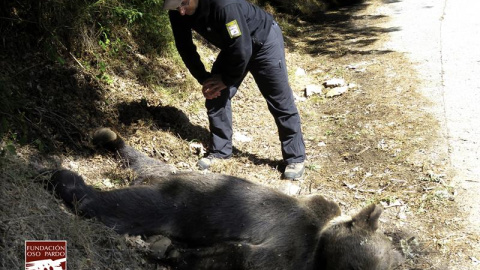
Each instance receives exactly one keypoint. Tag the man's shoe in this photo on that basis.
(294, 171)
(206, 162)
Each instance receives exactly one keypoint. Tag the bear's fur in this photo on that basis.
(216, 221)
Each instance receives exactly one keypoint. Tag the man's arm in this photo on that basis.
(186, 48)
(235, 54)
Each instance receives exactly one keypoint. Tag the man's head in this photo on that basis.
(185, 7)
(172, 4)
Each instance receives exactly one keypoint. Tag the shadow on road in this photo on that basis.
(335, 33)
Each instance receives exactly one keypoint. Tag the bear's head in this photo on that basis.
(353, 243)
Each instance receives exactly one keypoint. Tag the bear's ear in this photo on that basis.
(368, 217)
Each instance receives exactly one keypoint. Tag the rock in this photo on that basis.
(313, 89)
(300, 72)
(336, 82)
(475, 261)
(321, 144)
(317, 71)
(128, 74)
(298, 98)
(356, 68)
(352, 86)
(108, 183)
(241, 137)
(159, 246)
(336, 91)
(359, 67)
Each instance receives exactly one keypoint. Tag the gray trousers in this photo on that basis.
(268, 68)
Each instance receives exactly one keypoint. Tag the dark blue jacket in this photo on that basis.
(249, 28)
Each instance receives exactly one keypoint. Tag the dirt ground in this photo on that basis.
(374, 143)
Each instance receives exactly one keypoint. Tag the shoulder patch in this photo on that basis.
(233, 29)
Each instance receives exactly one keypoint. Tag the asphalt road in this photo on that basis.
(443, 38)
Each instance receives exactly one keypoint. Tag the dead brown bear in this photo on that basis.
(218, 221)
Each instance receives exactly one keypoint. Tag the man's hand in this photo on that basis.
(212, 86)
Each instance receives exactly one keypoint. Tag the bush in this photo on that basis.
(79, 26)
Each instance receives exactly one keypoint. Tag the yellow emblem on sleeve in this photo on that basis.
(233, 29)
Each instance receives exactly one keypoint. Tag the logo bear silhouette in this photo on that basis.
(215, 221)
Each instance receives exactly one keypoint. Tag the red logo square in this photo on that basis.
(45, 255)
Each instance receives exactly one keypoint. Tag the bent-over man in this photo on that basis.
(249, 41)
